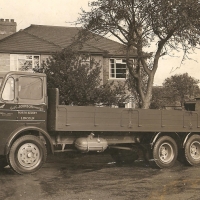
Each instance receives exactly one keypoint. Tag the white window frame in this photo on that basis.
(24, 57)
(117, 60)
(87, 60)
(15, 60)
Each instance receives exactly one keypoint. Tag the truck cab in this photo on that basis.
(23, 111)
(22, 87)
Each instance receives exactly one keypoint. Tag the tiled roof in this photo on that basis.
(4, 35)
(24, 42)
(41, 38)
(59, 35)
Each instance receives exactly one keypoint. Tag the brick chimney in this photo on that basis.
(7, 27)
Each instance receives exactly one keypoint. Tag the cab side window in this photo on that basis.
(9, 90)
(30, 88)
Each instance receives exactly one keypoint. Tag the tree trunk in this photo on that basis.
(146, 102)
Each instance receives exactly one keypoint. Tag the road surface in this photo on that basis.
(97, 177)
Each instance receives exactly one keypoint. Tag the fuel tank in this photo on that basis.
(91, 143)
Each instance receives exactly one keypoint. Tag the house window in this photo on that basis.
(118, 68)
(21, 62)
(28, 62)
(85, 60)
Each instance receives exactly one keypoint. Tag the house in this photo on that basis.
(36, 43)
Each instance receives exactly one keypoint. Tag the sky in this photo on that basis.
(66, 12)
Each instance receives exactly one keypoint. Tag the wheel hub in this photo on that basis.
(195, 150)
(28, 155)
(166, 153)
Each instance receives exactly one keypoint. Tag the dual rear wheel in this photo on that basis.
(165, 151)
(192, 150)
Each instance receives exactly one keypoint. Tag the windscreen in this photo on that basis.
(30, 88)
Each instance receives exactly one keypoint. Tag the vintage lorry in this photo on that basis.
(33, 124)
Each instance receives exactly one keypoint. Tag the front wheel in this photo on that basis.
(192, 150)
(165, 152)
(27, 154)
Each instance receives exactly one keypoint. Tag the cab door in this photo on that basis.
(8, 110)
(31, 97)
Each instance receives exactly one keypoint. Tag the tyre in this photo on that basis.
(27, 154)
(165, 152)
(192, 150)
(3, 162)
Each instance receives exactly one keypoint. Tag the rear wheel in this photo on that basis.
(27, 154)
(192, 150)
(165, 152)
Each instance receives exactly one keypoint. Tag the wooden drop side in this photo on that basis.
(91, 118)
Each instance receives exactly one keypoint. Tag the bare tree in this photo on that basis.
(167, 25)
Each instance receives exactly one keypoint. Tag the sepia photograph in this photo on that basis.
(99, 100)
